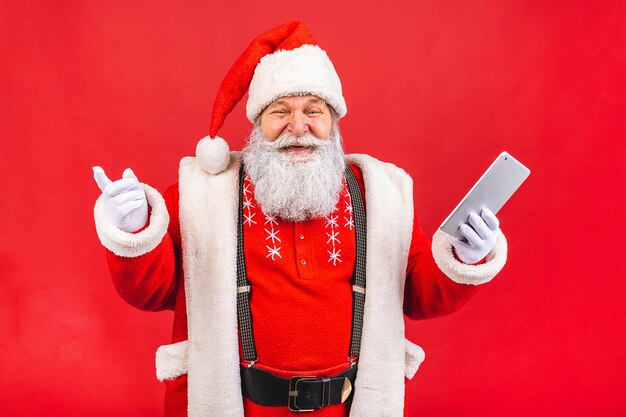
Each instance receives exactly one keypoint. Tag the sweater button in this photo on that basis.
(303, 262)
(301, 237)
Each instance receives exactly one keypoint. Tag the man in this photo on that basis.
(288, 266)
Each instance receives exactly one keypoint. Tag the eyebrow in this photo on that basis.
(316, 100)
(277, 103)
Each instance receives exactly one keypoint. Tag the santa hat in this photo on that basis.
(284, 61)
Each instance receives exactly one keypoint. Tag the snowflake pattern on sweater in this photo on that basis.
(339, 218)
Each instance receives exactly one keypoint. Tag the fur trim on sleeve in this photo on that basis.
(131, 245)
(468, 274)
(413, 357)
(171, 361)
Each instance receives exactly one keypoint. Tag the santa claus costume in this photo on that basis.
(301, 290)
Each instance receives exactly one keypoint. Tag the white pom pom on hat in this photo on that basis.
(213, 154)
(281, 62)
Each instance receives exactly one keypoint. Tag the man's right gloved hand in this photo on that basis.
(124, 200)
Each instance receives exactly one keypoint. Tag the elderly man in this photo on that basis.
(289, 266)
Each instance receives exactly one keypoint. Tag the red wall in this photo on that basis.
(438, 88)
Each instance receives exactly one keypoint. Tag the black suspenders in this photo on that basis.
(358, 277)
(244, 316)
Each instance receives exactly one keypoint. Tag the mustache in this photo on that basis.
(287, 140)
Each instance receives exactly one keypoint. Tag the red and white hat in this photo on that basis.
(284, 61)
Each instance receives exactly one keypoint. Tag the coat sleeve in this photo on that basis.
(437, 282)
(146, 265)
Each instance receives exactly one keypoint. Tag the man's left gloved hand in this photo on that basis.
(480, 232)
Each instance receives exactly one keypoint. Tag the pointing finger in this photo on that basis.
(128, 173)
(101, 178)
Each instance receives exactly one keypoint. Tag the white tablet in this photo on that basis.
(491, 191)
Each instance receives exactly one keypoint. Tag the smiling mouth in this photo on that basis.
(297, 150)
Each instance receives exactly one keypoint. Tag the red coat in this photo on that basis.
(298, 292)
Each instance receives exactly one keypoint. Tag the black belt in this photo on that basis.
(299, 393)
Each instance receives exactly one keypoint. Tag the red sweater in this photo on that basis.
(301, 301)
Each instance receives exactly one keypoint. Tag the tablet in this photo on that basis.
(491, 191)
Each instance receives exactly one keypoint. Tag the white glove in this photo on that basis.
(481, 235)
(124, 200)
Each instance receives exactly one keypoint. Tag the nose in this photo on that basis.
(298, 125)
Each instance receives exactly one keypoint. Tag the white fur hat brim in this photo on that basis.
(304, 70)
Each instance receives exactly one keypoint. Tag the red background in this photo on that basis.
(438, 88)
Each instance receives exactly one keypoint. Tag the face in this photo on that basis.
(298, 116)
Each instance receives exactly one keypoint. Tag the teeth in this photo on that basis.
(295, 147)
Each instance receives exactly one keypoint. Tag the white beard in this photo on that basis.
(295, 188)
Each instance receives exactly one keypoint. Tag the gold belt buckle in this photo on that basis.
(293, 393)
